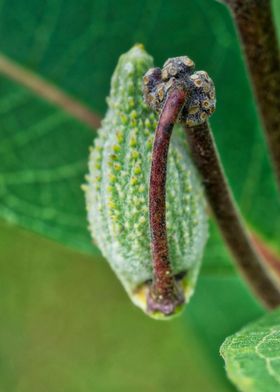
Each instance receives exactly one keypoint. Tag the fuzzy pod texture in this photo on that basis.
(118, 185)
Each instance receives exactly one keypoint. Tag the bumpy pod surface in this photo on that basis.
(118, 185)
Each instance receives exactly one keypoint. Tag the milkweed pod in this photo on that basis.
(118, 187)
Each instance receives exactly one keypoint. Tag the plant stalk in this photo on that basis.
(250, 263)
(254, 22)
(165, 295)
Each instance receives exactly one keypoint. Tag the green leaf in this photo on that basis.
(252, 356)
(44, 151)
(43, 159)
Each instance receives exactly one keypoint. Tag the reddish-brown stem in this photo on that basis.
(250, 263)
(165, 295)
(272, 259)
(254, 21)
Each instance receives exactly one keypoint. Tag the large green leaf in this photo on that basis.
(252, 355)
(76, 46)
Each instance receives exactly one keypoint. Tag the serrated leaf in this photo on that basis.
(252, 356)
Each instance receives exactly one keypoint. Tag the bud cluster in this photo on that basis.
(179, 72)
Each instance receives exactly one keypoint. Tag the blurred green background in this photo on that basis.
(65, 322)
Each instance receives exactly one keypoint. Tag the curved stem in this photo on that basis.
(254, 21)
(164, 295)
(250, 263)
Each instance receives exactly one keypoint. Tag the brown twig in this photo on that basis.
(165, 295)
(250, 263)
(254, 21)
(191, 99)
(271, 258)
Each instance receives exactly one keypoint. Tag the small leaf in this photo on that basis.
(252, 356)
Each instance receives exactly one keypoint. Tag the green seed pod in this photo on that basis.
(118, 185)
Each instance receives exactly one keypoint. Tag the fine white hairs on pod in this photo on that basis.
(118, 185)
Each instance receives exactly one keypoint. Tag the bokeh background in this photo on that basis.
(65, 322)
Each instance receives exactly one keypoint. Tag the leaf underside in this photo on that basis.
(252, 356)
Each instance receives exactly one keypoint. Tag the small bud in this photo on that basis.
(179, 71)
